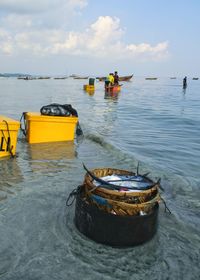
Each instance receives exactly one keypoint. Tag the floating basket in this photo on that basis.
(123, 196)
(113, 230)
(122, 208)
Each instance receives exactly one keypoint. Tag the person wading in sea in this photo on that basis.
(185, 82)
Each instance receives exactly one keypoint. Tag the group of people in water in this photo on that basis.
(112, 79)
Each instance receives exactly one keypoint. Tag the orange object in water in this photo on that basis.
(42, 128)
(115, 88)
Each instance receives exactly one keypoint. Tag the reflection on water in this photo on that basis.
(52, 151)
(90, 92)
(184, 90)
(51, 157)
(111, 95)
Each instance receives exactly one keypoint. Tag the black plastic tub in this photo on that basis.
(114, 230)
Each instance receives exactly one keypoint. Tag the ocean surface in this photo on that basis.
(155, 123)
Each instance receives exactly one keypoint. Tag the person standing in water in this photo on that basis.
(185, 82)
(116, 78)
(109, 80)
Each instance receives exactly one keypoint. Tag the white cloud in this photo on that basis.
(145, 50)
(103, 38)
(104, 30)
(17, 15)
(35, 6)
(15, 22)
(6, 44)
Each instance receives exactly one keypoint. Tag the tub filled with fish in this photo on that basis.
(117, 207)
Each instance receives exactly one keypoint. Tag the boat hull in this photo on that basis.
(116, 88)
(114, 230)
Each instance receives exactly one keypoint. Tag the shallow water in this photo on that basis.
(154, 123)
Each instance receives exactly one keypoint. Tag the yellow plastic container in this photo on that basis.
(41, 129)
(8, 136)
(89, 87)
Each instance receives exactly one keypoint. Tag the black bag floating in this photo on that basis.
(56, 109)
(60, 110)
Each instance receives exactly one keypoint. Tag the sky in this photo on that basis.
(92, 37)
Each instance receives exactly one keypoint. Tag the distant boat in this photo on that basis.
(60, 78)
(172, 78)
(24, 78)
(121, 78)
(125, 78)
(195, 78)
(153, 78)
(43, 78)
(79, 77)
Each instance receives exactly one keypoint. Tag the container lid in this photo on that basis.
(37, 116)
(8, 120)
(5, 121)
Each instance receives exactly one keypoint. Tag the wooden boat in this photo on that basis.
(153, 78)
(60, 78)
(121, 78)
(79, 77)
(44, 78)
(25, 78)
(195, 79)
(172, 78)
(114, 88)
(125, 78)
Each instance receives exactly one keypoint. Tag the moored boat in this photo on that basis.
(125, 78)
(114, 88)
(60, 78)
(81, 77)
(151, 78)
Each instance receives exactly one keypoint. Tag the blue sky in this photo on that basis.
(90, 37)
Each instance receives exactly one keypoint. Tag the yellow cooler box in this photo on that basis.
(41, 128)
(8, 136)
(89, 87)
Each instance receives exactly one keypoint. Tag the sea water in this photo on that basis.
(153, 123)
